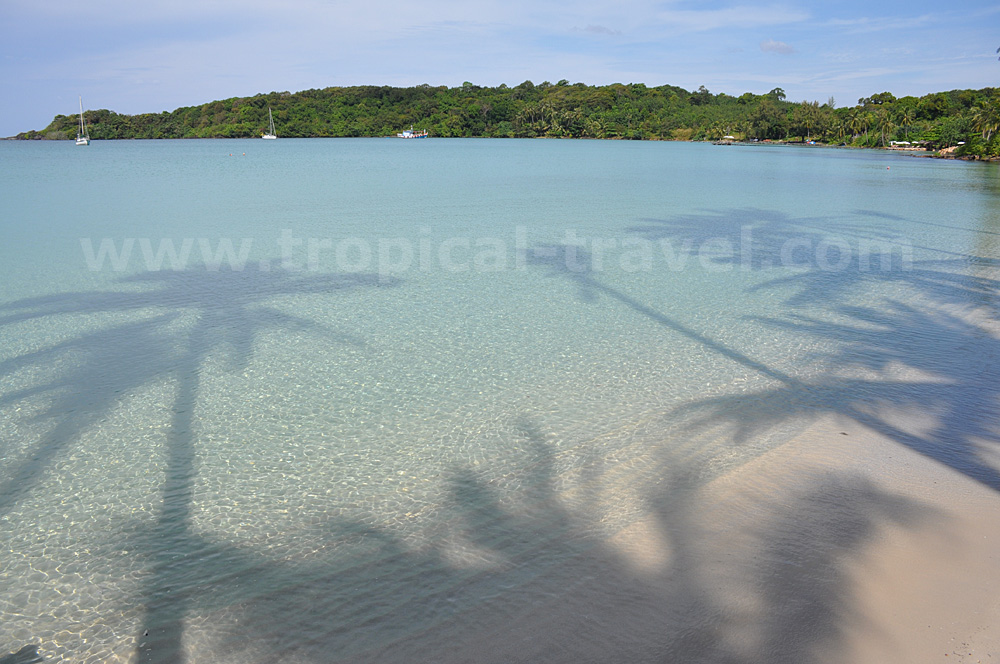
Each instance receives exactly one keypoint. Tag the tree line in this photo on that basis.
(969, 119)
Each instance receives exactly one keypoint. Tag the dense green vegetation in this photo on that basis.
(968, 118)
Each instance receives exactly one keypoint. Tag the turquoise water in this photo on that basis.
(432, 379)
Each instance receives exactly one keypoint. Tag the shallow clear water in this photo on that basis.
(432, 378)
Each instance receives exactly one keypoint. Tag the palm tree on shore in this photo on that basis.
(867, 119)
(906, 120)
(986, 118)
(884, 124)
(855, 122)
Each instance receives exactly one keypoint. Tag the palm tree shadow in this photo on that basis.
(104, 366)
(226, 311)
(963, 391)
(933, 342)
(535, 583)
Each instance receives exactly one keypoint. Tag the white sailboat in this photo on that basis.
(270, 131)
(82, 137)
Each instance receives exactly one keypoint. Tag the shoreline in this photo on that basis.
(945, 153)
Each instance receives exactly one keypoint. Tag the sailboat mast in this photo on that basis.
(81, 135)
(270, 125)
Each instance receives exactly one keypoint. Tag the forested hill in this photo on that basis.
(632, 111)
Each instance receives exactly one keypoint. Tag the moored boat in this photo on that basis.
(270, 129)
(82, 135)
(409, 133)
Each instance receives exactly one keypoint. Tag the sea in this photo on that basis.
(376, 400)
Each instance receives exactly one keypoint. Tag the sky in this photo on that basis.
(136, 56)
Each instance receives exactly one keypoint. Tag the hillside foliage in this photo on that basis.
(968, 118)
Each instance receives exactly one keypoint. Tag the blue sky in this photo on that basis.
(136, 57)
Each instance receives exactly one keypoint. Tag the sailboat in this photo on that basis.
(82, 137)
(270, 131)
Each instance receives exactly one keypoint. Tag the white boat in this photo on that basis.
(409, 133)
(270, 131)
(82, 136)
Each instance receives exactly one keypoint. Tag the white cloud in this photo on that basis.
(601, 30)
(730, 17)
(857, 74)
(866, 24)
(772, 46)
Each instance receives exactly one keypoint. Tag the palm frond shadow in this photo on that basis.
(225, 311)
(832, 256)
(961, 391)
(26, 655)
(103, 366)
(953, 380)
(947, 281)
(947, 373)
(761, 239)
